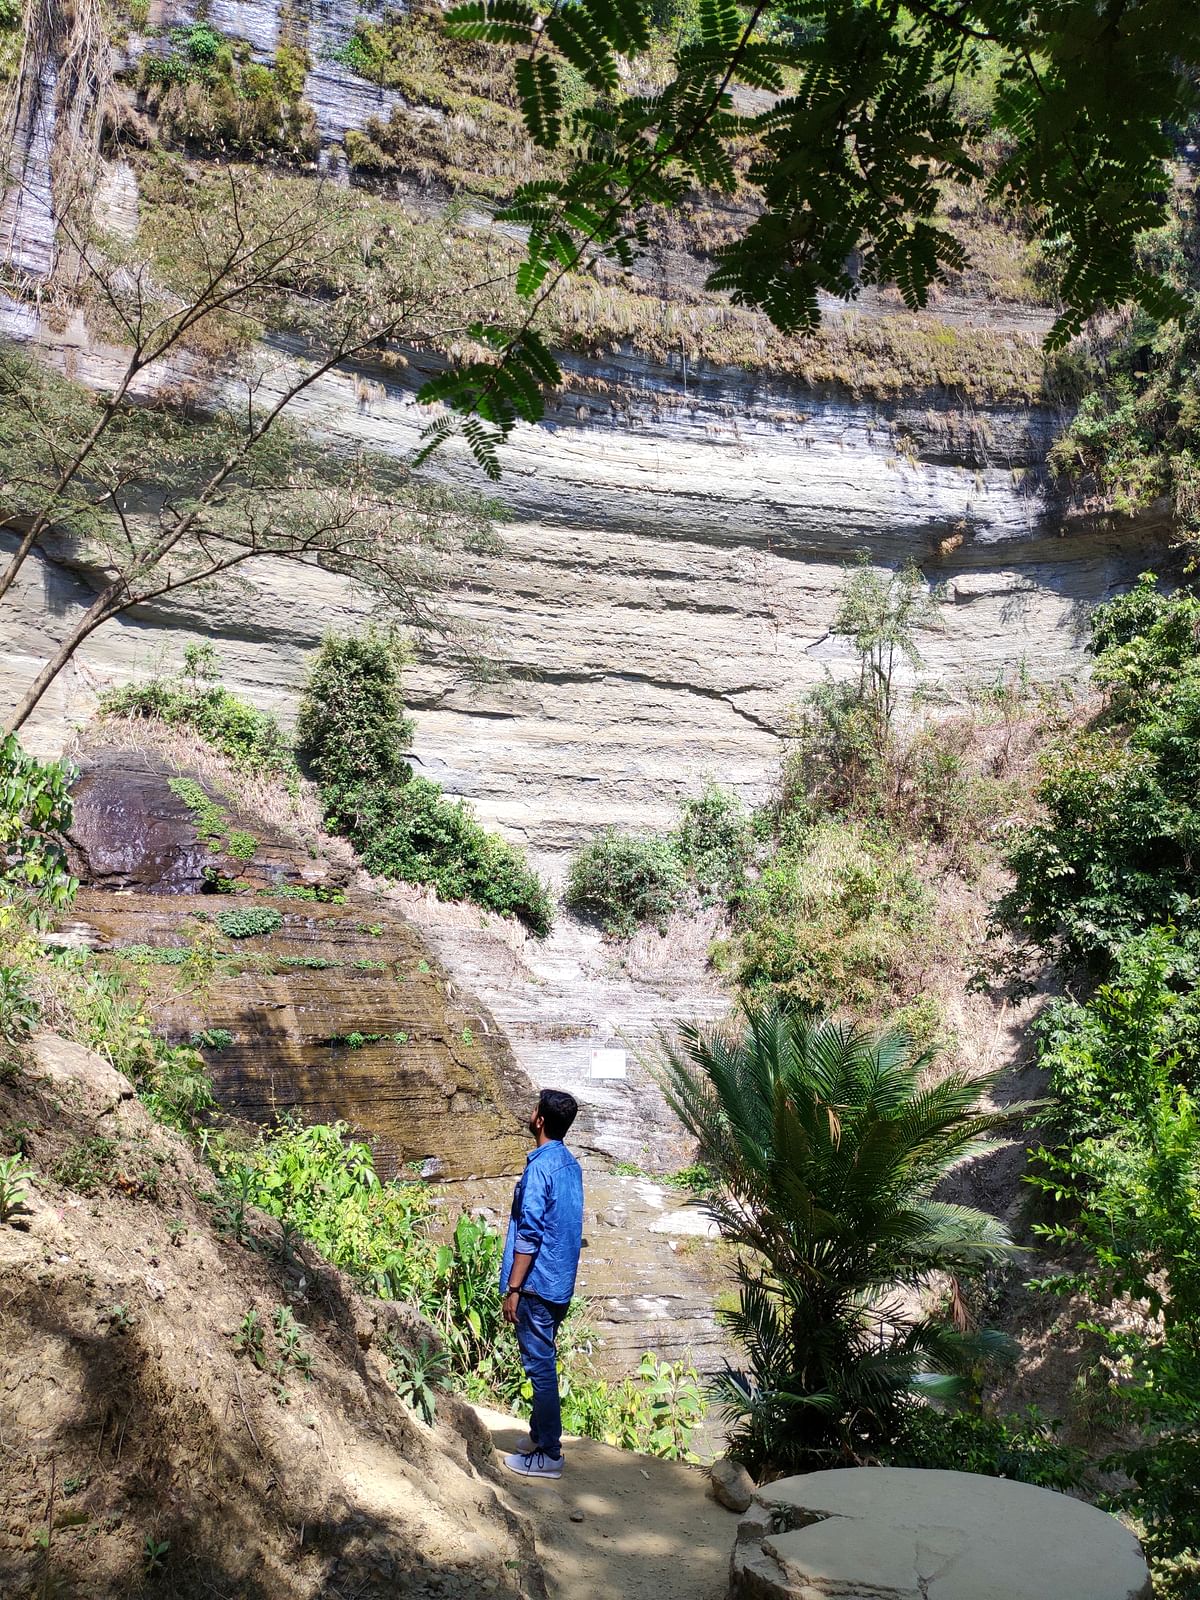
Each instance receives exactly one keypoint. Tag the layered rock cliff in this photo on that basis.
(666, 588)
(678, 528)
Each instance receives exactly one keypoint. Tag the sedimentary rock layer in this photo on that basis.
(667, 583)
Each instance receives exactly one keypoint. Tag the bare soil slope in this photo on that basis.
(618, 1526)
(142, 1454)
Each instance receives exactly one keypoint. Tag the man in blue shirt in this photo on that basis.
(537, 1278)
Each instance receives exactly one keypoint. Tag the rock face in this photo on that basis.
(666, 588)
(678, 531)
(340, 1011)
(893, 1533)
(346, 1011)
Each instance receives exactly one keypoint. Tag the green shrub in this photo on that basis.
(252, 740)
(714, 841)
(207, 90)
(162, 955)
(415, 834)
(831, 918)
(211, 1039)
(248, 923)
(352, 729)
(1124, 1179)
(35, 813)
(833, 761)
(88, 1165)
(625, 879)
(1117, 849)
(352, 734)
(194, 53)
(242, 845)
(1024, 1448)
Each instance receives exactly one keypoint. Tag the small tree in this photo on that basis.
(880, 613)
(826, 1148)
(156, 499)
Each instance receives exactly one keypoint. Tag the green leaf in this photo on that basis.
(540, 99)
(498, 21)
(576, 34)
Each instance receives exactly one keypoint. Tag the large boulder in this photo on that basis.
(902, 1533)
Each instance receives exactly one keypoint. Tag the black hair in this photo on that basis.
(558, 1109)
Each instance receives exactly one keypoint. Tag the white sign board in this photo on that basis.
(608, 1063)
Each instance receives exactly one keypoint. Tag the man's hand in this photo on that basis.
(511, 1301)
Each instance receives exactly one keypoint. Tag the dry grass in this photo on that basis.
(297, 817)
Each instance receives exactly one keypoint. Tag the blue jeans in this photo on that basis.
(537, 1327)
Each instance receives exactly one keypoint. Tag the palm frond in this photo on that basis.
(827, 1145)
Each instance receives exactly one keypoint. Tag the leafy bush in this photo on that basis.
(164, 955)
(414, 833)
(625, 879)
(833, 762)
(1133, 440)
(252, 740)
(193, 53)
(1025, 1448)
(211, 1039)
(1125, 1180)
(353, 733)
(352, 729)
(826, 1148)
(1109, 876)
(208, 91)
(20, 1011)
(1116, 852)
(248, 923)
(35, 813)
(830, 918)
(715, 842)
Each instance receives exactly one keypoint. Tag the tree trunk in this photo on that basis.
(96, 613)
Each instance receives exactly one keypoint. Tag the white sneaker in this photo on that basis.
(534, 1464)
(527, 1445)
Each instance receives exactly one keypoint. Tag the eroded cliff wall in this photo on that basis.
(677, 533)
(666, 587)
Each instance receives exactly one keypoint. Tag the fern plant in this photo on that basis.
(825, 1148)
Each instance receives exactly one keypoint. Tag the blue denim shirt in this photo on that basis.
(547, 1222)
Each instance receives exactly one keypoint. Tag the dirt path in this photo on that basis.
(650, 1531)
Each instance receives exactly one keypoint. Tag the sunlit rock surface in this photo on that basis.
(898, 1533)
(666, 587)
